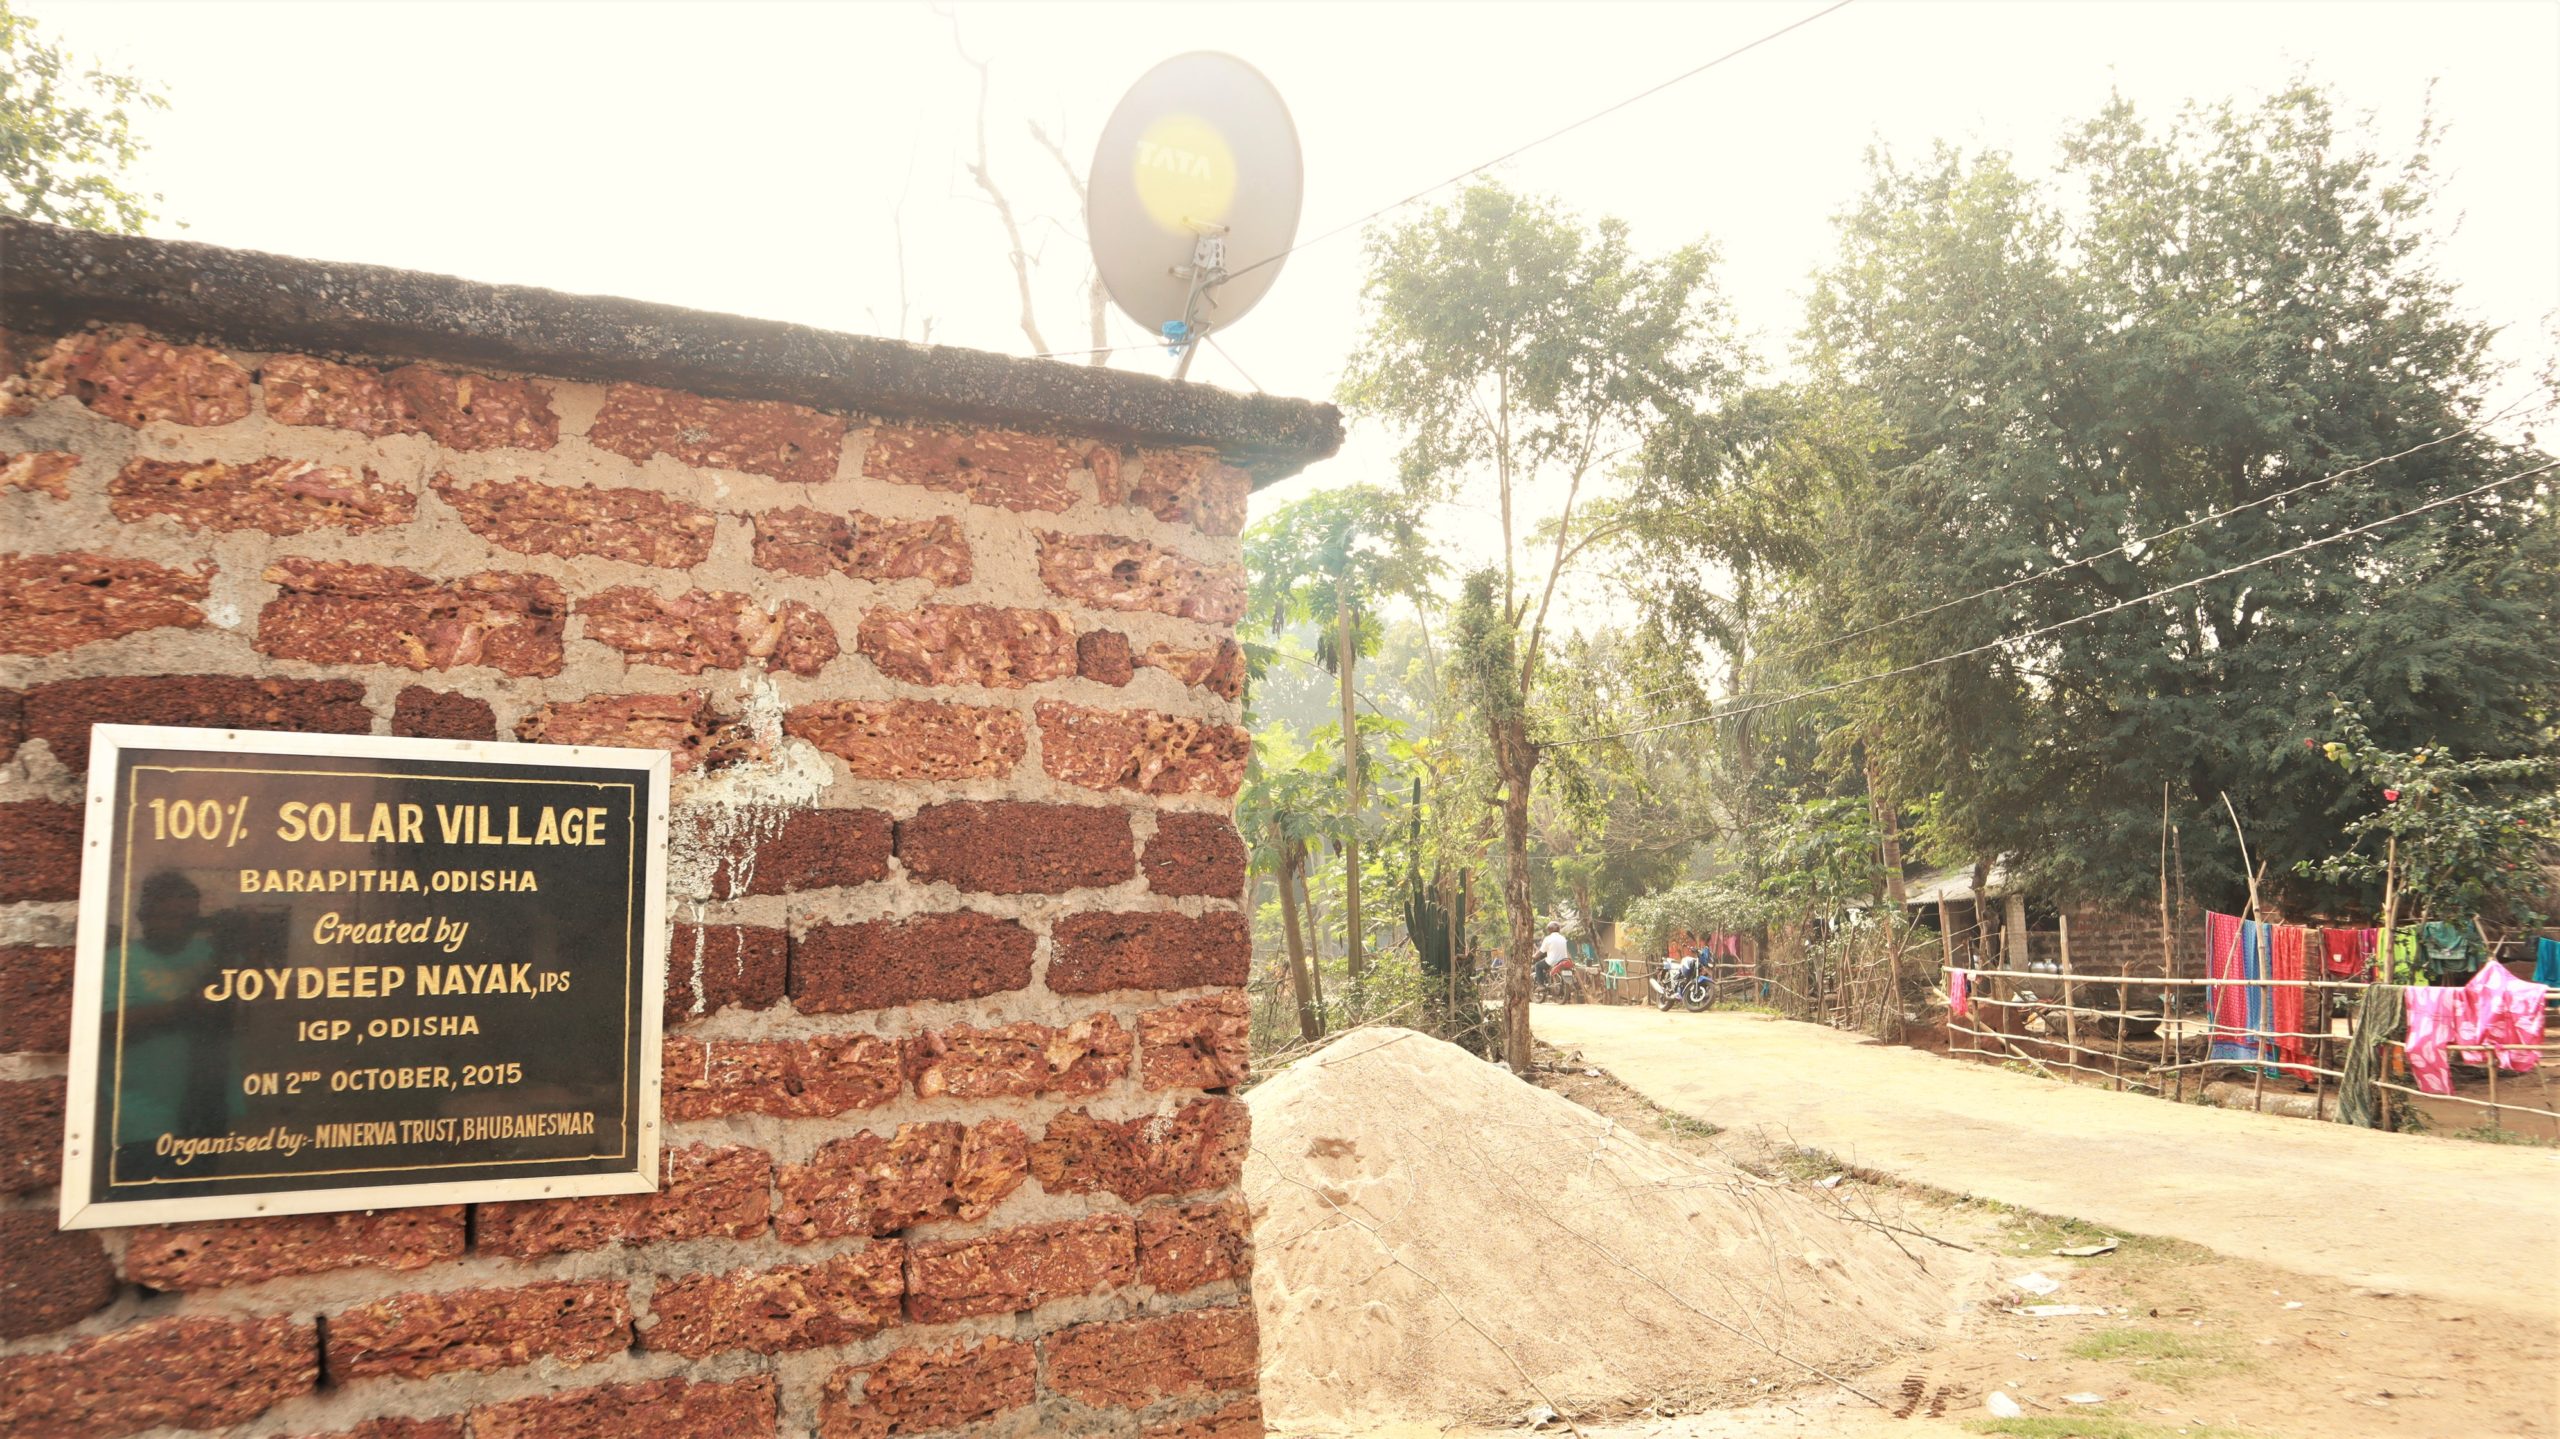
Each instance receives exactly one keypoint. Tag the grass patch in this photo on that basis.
(1685, 1126)
(2483, 1134)
(2028, 1233)
(2166, 1358)
(2096, 1425)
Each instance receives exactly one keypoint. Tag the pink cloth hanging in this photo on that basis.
(1959, 992)
(2495, 1016)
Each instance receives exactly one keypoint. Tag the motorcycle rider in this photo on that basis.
(1551, 950)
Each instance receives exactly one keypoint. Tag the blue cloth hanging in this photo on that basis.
(2546, 963)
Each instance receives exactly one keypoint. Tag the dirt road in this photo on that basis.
(2476, 1225)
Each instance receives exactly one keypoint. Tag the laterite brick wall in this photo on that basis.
(953, 1003)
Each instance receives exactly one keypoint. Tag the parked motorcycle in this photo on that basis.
(1684, 982)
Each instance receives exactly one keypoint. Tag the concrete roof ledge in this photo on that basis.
(56, 278)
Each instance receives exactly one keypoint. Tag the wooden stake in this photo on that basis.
(2070, 1000)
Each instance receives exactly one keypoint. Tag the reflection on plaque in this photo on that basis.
(321, 972)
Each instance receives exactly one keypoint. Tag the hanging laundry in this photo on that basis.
(2226, 1002)
(2496, 1017)
(2289, 1005)
(2347, 953)
(2546, 963)
(1959, 992)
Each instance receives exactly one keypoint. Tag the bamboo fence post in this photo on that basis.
(2168, 950)
(2070, 1000)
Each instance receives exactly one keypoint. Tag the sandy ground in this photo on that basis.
(2474, 1225)
(2190, 1343)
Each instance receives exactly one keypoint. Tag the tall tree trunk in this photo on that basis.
(1516, 761)
(1301, 978)
(1345, 656)
(1889, 832)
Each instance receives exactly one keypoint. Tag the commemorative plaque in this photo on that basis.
(324, 972)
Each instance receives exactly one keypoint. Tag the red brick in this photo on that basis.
(334, 612)
(39, 850)
(840, 968)
(1102, 656)
(1239, 1420)
(51, 603)
(446, 1426)
(1195, 853)
(709, 629)
(30, 1129)
(301, 390)
(278, 496)
(422, 713)
(182, 1373)
(970, 645)
(762, 437)
(44, 471)
(914, 1391)
(679, 723)
(1091, 953)
(133, 377)
(640, 527)
(1218, 669)
(991, 467)
(13, 723)
(741, 1409)
(223, 1253)
(61, 713)
(457, 411)
(791, 1078)
(1126, 1364)
(712, 967)
(1016, 1270)
(704, 1192)
(1115, 573)
(411, 1336)
(771, 1311)
(809, 849)
(864, 1184)
(1145, 751)
(810, 543)
(474, 412)
(1200, 1044)
(1014, 847)
(1195, 1149)
(965, 1062)
(1180, 487)
(49, 1277)
(912, 739)
(35, 999)
(1184, 1246)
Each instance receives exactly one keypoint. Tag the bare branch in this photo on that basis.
(1097, 300)
(980, 172)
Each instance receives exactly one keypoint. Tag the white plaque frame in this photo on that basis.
(107, 743)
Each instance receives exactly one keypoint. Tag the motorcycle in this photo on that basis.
(1560, 984)
(1683, 982)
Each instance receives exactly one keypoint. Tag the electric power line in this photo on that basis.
(1805, 646)
(1513, 153)
(2042, 630)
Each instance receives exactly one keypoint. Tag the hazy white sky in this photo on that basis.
(763, 158)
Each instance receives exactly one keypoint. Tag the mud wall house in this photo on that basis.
(2021, 929)
(941, 646)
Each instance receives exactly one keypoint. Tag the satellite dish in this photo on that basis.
(1193, 196)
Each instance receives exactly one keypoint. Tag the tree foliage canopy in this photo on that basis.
(66, 134)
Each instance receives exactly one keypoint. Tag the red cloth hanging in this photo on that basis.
(2347, 953)
(2227, 1007)
(2287, 1004)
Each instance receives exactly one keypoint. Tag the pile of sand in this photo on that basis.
(1437, 1240)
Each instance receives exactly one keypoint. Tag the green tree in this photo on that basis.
(1517, 349)
(1331, 559)
(2463, 841)
(2225, 311)
(66, 134)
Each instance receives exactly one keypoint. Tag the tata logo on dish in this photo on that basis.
(1184, 173)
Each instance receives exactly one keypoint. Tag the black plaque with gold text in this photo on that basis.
(326, 972)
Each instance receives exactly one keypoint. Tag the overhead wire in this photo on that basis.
(1511, 154)
(2062, 624)
(2076, 562)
